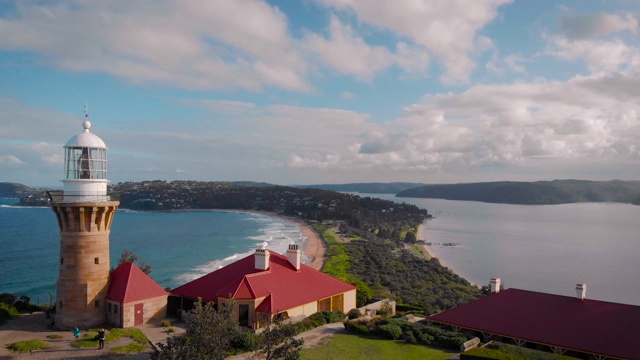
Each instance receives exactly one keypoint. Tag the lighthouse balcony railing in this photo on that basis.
(59, 196)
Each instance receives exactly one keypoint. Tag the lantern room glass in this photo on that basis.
(85, 163)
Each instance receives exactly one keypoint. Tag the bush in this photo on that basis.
(333, 316)
(246, 341)
(317, 319)
(358, 328)
(390, 331)
(426, 338)
(7, 298)
(166, 323)
(354, 314)
(409, 337)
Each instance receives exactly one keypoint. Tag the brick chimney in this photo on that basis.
(293, 255)
(581, 291)
(262, 259)
(495, 285)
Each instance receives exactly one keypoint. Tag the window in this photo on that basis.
(97, 303)
(61, 261)
(96, 261)
(109, 307)
(60, 304)
(115, 308)
(324, 305)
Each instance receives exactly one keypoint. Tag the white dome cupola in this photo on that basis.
(85, 166)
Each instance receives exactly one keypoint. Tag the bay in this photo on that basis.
(545, 248)
(179, 245)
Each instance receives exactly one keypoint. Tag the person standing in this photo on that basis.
(101, 336)
(76, 333)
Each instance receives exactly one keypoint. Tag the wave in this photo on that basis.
(276, 234)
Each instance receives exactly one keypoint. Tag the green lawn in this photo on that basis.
(350, 346)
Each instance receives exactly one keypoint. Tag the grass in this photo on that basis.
(27, 345)
(114, 334)
(350, 346)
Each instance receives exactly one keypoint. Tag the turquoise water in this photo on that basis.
(179, 245)
(546, 248)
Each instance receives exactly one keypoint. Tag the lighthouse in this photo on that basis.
(84, 211)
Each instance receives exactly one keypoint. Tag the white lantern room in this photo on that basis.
(85, 167)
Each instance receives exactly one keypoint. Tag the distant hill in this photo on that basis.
(373, 188)
(15, 190)
(533, 193)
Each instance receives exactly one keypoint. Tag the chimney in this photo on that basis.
(293, 255)
(262, 259)
(495, 285)
(581, 291)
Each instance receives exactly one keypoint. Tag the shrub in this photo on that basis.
(354, 314)
(7, 298)
(358, 328)
(409, 337)
(333, 316)
(27, 345)
(390, 331)
(166, 323)
(426, 338)
(385, 309)
(317, 319)
(245, 340)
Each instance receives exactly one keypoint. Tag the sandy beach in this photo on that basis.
(314, 247)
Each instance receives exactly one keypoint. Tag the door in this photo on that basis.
(243, 315)
(139, 313)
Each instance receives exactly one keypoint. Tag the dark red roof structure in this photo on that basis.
(129, 283)
(588, 326)
(283, 285)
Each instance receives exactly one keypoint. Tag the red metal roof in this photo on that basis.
(128, 283)
(590, 326)
(287, 286)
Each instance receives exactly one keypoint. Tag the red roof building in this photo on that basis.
(265, 284)
(573, 325)
(133, 297)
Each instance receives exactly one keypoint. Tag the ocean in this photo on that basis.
(545, 248)
(179, 245)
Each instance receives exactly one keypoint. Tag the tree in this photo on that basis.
(130, 256)
(278, 342)
(209, 334)
(410, 237)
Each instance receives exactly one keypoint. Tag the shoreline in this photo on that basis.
(313, 246)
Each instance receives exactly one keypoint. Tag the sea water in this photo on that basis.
(546, 248)
(179, 245)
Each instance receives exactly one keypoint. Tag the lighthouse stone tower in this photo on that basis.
(84, 212)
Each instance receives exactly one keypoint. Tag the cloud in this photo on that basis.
(447, 28)
(609, 56)
(589, 26)
(347, 95)
(189, 43)
(10, 160)
(516, 128)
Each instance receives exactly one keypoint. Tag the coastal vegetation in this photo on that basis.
(11, 306)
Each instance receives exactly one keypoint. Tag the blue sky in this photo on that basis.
(324, 91)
